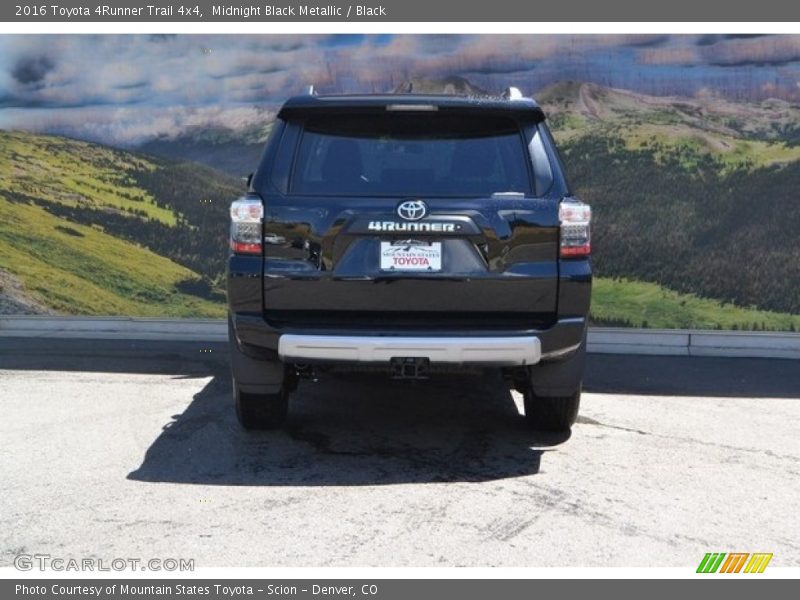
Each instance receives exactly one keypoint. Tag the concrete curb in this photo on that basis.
(737, 343)
(660, 342)
(104, 328)
(683, 342)
(602, 340)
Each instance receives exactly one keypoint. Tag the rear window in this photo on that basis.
(411, 155)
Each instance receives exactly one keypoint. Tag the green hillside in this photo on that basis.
(620, 302)
(694, 195)
(86, 229)
(574, 107)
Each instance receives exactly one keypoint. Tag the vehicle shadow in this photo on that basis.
(353, 431)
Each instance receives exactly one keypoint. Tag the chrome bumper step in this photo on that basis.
(506, 351)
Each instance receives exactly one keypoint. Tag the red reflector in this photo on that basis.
(584, 250)
(244, 248)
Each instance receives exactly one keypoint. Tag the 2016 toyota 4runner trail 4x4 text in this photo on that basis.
(415, 234)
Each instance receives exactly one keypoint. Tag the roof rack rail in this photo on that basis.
(311, 91)
(512, 93)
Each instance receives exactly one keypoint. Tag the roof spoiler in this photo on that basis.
(510, 102)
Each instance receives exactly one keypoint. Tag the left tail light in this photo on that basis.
(576, 233)
(247, 215)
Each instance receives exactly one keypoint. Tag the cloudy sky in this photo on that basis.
(127, 89)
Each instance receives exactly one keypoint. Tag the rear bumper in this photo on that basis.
(501, 351)
(259, 340)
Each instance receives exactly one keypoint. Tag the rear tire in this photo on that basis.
(261, 411)
(555, 414)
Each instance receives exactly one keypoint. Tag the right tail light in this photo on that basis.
(576, 220)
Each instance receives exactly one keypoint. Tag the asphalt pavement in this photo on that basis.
(131, 449)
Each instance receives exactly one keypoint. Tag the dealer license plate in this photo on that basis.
(411, 255)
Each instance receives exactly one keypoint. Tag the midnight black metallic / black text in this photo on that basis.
(301, 10)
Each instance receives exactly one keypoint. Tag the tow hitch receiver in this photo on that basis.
(409, 367)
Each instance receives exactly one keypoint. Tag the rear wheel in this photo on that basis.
(556, 414)
(261, 411)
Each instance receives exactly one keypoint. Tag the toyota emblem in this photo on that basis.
(412, 210)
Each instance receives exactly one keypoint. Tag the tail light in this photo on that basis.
(576, 219)
(246, 217)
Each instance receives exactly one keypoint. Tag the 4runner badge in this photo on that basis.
(435, 226)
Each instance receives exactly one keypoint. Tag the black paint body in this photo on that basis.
(319, 272)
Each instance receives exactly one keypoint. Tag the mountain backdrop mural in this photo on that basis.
(119, 156)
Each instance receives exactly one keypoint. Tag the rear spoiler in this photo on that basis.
(519, 108)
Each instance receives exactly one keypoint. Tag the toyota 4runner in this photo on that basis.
(413, 235)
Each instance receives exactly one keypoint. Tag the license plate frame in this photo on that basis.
(410, 256)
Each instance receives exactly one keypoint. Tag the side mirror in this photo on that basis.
(248, 180)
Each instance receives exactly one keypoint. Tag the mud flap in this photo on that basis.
(254, 376)
(559, 378)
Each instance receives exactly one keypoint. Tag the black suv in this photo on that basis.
(414, 235)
